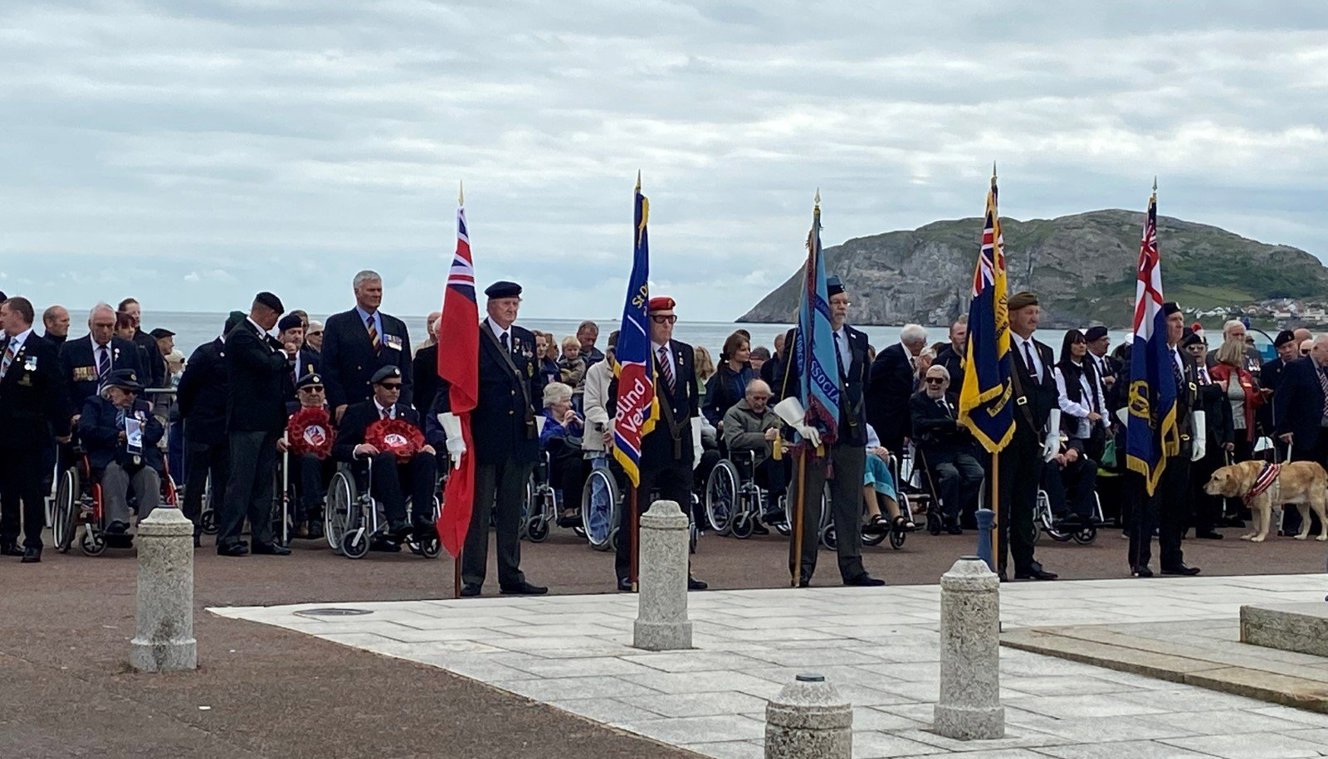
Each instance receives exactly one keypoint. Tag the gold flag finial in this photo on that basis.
(638, 180)
(461, 193)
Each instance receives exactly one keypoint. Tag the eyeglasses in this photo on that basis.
(670, 319)
(935, 380)
(1304, 353)
(390, 385)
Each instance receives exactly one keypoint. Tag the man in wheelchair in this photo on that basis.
(310, 465)
(1070, 480)
(393, 476)
(751, 425)
(120, 435)
(947, 447)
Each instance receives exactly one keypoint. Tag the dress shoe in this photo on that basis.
(117, 528)
(271, 549)
(1180, 569)
(954, 529)
(31, 556)
(758, 528)
(315, 530)
(10, 549)
(1208, 534)
(1141, 571)
(470, 590)
(398, 528)
(695, 584)
(865, 580)
(804, 583)
(198, 541)
(624, 585)
(1002, 576)
(232, 549)
(1034, 572)
(523, 588)
(302, 532)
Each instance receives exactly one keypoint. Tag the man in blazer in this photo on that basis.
(891, 384)
(255, 417)
(1036, 438)
(201, 397)
(670, 448)
(359, 342)
(1298, 405)
(118, 462)
(505, 441)
(33, 416)
(846, 457)
(947, 447)
(392, 481)
(85, 362)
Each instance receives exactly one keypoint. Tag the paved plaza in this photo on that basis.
(877, 645)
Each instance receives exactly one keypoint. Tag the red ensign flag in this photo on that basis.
(458, 367)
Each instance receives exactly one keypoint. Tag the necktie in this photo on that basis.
(387, 413)
(1176, 370)
(666, 366)
(1032, 367)
(506, 343)
(373, 334)
(8, 359)
(120, 418)
(103, 361)
(1323, 382)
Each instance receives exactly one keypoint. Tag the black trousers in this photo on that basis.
(21, 475)
(959, 478)
(772, 475)
(1166, 511)
(253, 463)
(499, 490)
(391, 480)
(1070, 489)
(1021, 471)
(849, 468)
(203, 459)
(671, 481)
(312, 474)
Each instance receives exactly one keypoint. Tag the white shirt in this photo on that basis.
(1081, 409)
(1018, 346)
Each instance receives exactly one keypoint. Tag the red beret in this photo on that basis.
(662, 303)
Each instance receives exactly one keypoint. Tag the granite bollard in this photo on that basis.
(164, 640)
(970, 701)
(808, 720)
(661, 616)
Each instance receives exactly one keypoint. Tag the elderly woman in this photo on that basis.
(560, 437)
(1230, 372)
(729, 384)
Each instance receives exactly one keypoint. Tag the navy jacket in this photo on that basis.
(78, 366)
(154, 367)
(201, 394)
(935, 431)
(724, 390)
(1298, 403)
(659, 446)
(502, 426)
(100, 434)
(356, 421)
(852, 386)
(255, 367)
(889, 389)
(349, 359)
(33, 405)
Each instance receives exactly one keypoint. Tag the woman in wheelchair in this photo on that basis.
(878, 487)
(560, 438)
(120, 435)
(396, 472)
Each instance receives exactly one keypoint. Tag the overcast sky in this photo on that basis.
(192, 153)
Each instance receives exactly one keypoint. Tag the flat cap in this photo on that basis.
(1170, 308)
(123, 379)
(1095, 333)
(312, 379)
(386, 372)
(833, 285)
(289, 321)
(503, 289)
(161, 332)
(1022, 300)
(1284, 337)
(662, 303)
(271, 301)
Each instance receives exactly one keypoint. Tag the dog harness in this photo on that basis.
(1267, 476)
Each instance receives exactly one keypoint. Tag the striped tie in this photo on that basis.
(103, 361)
(666, 367)
(373, 334)
(8, 359)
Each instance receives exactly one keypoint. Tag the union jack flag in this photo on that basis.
(458, 367)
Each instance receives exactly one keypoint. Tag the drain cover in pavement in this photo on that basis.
(332, 612)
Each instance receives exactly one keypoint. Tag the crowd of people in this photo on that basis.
(270, 376)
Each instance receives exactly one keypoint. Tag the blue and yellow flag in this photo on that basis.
(984, 398)
(818, 386)
(1152, 432)
(637, 407)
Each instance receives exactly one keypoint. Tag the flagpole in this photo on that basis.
(632, 536)
(798, 507)
(456, 560)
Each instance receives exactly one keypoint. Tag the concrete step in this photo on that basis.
(1300, 627)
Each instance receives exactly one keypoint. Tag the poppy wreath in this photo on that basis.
(310, 430)
(396, 436)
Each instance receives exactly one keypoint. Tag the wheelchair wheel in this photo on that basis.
(337, 513)
(1085, 535)
(537, 530)
(613, 540)
(721, 496)
(64, 520)
(828, 537)
(92, 543)
(527, 508)
(207, 521)
(897, 538)
(693, 534)
(877, 539)
(355, 543)
(742, 526)
(599, 508)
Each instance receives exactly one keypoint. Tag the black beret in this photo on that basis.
(1284, 337)
(1095, 333)
(312, 379)
(1022, 300)
(289, 321)
(1191, 338)
(234, 320)
(503, 289)
(124, 379)
(161, 332)
(386, 372)
(833, 285)
(271, 301)
(1170, 308)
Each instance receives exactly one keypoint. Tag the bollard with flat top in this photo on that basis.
(969, 707)
(661, 617)
(164, 640)
(808, 720)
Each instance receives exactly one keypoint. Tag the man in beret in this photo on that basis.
(844, 466)
(1287, 351)
(256, 365)
(118, 462)
(310, 472)
(290, 329)
(201, 398)
(1037, 423)
(359, 342)
(1167, 509)
(1211, 398)
(668, 451)
(505, 439)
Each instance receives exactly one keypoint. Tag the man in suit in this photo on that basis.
(156, 362)
(290, 329)
(893, 375)
(202, 398)
(392, 481)
(255, 416)
(1299, 415)
(118, 461)
(56, 321)
(33, 416)
(89, 359)
(844, 464)
(953, 356)
(359, 342)
(669, 450)
(1036, 438)
(1212, 400)
(1167, 509)
(505, 439)
(1108, 370)
(947, 447)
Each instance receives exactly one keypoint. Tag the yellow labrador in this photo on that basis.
(1303, 483)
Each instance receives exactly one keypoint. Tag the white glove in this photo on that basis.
(456, 444)
(791, 411)
(1052, 445)
(1199, 436)
(697, 449)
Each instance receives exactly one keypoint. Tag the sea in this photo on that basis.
(193, 328)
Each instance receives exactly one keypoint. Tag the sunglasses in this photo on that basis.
(670, 319)
(390, 385)
(311, 390)
(1304, 353)
(935, 380)
(311, 334)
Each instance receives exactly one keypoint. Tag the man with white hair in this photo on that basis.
(85, 362)
(1235, 329)
(359, 342)
(893, 375)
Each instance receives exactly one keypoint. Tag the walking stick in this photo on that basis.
(798, 507)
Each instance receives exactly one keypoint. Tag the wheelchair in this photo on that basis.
(79, 503)
(539, 507)
(733, 501)
(601, 497)
(1045, 521)
(353, 519)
